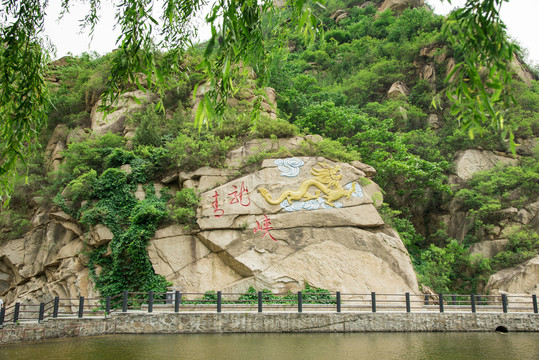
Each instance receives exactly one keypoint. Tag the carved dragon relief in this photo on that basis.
(327, 180)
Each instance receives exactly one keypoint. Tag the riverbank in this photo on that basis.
(274, 322)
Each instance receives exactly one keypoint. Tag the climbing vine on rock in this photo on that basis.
(122, 264)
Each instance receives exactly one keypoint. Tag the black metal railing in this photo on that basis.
(300, 302)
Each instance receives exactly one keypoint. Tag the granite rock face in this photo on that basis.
(48, 261)
(521, 279)
(285, 223)
(468, 162)
(115, 121)
(329, 236)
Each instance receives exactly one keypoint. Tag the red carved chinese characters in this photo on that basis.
(218, 212)
(265, 226)
(238, 195)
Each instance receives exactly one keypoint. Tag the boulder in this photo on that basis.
(527, 147)
(55, 146)
(488, 249)
(365, 4)
(398, 6)
(247, 94)
(428, 73)
(434, 122)
(114, 121)
(449, 68)
(521, 279)
(99, 235)
(434, 51)
(338, 13)
(470, 161)
(368, 170)
(397, 90)
(521, 71)
(76, 135)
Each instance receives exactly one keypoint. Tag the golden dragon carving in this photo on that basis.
(325, 179)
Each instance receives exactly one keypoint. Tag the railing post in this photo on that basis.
(504, 303)
(408, 309)
(426, 299)
(338, 301)
(260, 301)
(219, 301)
(41, 312)
(81, 306)
(441, 301)
(107, 306)
(16, 312)
(55, 307)
(124, 303)
(373, 301)
(2, 315)
(177, 299)
(534, 301)
(454, 298)
(150, 301)
(300, 302)
(472, 300)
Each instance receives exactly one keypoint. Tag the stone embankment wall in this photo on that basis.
(218, 323)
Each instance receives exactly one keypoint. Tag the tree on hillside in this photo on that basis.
(237, 38)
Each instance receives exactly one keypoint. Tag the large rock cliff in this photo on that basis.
(284, 224)
(323, 229)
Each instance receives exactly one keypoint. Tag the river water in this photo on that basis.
(371, 346)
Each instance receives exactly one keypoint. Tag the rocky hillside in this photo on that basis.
(138, 199)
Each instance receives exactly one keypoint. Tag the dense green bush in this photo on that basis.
(329, 120)
(186, 203)
(501, 187)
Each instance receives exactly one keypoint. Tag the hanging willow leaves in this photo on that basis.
(23, 94)
(481, 88)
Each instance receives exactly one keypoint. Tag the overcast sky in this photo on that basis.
(519, 16)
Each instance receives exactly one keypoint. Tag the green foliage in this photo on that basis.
(523, 245)
(189, 151)
(310, 295)
(82, 187)
(267, 128)
(13, 224)
(133, 222)
(440, 268)
(313, 295)
(82, 156)
(451, 268)
(148, 130)
(93, 165)
(338, 35)
(328, 120)
(186, 203)
(251, 296)
(403, 175)
(421, 95)
(23, 92)
(411, 239)
(501, 187)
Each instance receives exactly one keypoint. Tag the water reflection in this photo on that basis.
(413, 346)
